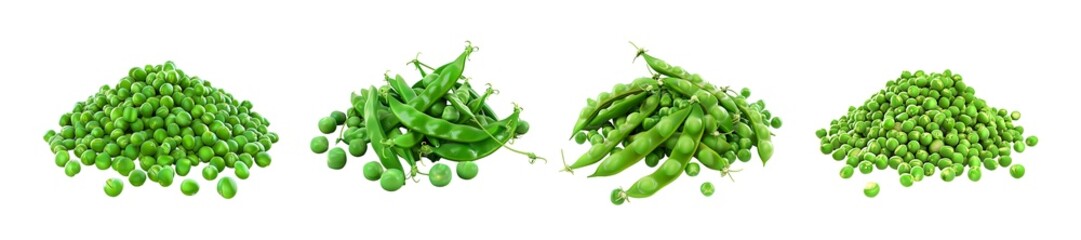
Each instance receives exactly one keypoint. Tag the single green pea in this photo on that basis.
(113, 187)
(871, 189)
(745, 92)
(227, 187)
(580, 138)
(440, 175)
(373, 170)
(165, 176)
(467, 170)
(71, 168)
(338, 116)
(137, 177)
(707, 189)
(866, 167)
(906, 180)
(262, 159)
(821, 133)
(183, 166)
(103, 161)
(974, 174)
(693, 169)
(1005, 161)
(1031, 141)
(917, 174)
(327, 125)
(990, 164)
(189, 187)
(744, 155)
(320, 144)
(947, 174)
(241, 170)
(210, 172)
(846, 171)
(357, 147)
(776, 122)
(1017, 171)
(392, 180)
(336, 158)
(617, 197)
(62, 158)
(522, 128)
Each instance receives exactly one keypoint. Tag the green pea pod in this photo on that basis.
(399, 86)
(643, 144)
(418, 121)
(679, 158)
(716, 143)
(475, 105)
(376, 134)
(765, 150)
(503, 132)
(597, 152)
(457, 103)
(408, 140)
(710, 158)
(639, 85)
(662, 67)
(437, 88)
(619, 109)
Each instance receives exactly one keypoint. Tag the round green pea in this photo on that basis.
(522, 128)
(320, 144)
(262, 159)
(580, 138)
(947, 174)
(227, 187)
(1031, 141)
(617, 197)
(974, 174)
(336, 158)
(113, 187)
(707, 189)
(71, 168)
(917, 174)
(1017, 171)
(392, 180)
(846, 171)
(1005, 161)
(866, 167)
(692, 169)
(327, 125)
(373, 170)
(183, 166)
(906, 180)
(241, 170)
(165, 176)
(871, 189)
(440, 175)
(210, 172)
(137, 177)
(62, 158)
(467, 170)
(338, 116)
(357, 147)
(189, 187)
(103, 161)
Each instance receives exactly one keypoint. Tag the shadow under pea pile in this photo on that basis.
(439, 117)
(674, 114)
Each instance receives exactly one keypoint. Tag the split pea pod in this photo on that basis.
(706, 99)
(597, 152)
(710, 158)
(643, 144)
(662, 67)
(503, 132)
(419, 121)
(376, 134)
(620, 108)
(637, 86)
(457, 103)
(680, 156)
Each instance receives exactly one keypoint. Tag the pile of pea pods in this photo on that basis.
(922, 122)
(673, 114)
(158, 123)
(440, 117)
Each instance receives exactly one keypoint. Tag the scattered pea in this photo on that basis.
(440, 175)
(227, 187)
(707, 189)
(871, 189)
(113, 187)
(373, 170)
(189, 187)
(1017, 171)
(467, 170)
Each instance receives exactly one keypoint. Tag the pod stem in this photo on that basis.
(727, 171)
(566, 168)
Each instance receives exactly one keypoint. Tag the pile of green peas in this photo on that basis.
(922, 123)
(673, 114)
(438, 117)
(158, 123)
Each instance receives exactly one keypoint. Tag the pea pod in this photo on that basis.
(456, 151)
(709, 102)
(680, 156)
(407, 140)
(662, 67)
(597, 152)
(710, 158)
(643, 144)
(716, 143)
(399, 86)
(458, 104)
(376, 134)
(639, 85)
(419, 121)
(619, 109)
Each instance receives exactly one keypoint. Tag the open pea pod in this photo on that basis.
(457, 151)
(618, 109)
(597, 152)
(590, 111)
(643, 144)
(418, 121)
(679, 158)
(376, 134)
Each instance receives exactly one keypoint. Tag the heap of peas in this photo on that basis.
(675, 114)
(438, 117)
(922, 123)
(158, 123)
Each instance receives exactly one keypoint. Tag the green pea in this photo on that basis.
(327, 125)
(947, 174)
(189, 187)
(262, 159)
(62, 158)
(137, 177)
(917, 174)
(319, 144)
(580, 137)
(183, 166)
(1031, 141)
(990, 164)
(357, 147)
(744, 155)
(227, 187)
(440, 175)
(974, 174)
(338, 117)
(165, 176)
(871, 189)
(692, 169)
(617, 197)
(152, 173)
(1005, 161)
(846, 171)
(707, 189)
(906, 180)
(775, 122)
(522, 128)
(392, 180)
(241, 170)
(113, 187)
(103, 161)
(866, 167)
(467, 170)
(336, 158)
(373, 170)
(210, 172)
(71, 168)
(1017, 171)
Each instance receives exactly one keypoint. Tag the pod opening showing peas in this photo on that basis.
(439, 117)
(674, 114)
(156, 123)
(925, 121)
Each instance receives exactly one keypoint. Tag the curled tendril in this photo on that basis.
(727, 171)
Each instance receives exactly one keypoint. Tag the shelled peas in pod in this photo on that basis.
(673, 114)
(921, 124)
(158, 123)
(440, 117)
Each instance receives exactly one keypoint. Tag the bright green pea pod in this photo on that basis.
(679, 85)
(717, 143)
(643, 144)
(679, 158)
(407, 140)
(597, 152)
(765, 150)
(503, 132)
(710, 158)
(376, 134)
(420, 122)
(663, 67)
(405, 153)
(618, 109)
(475, 105)
(436, 89)
(399, 86)
(457, 103)
(639, 85)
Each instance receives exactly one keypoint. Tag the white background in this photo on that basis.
(297, 62)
